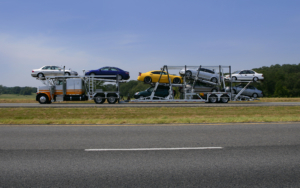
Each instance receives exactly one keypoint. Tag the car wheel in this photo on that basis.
(215, 80)
(234, 78)
(67, 74)
(188, 74)
(111, 99)
(224, 99)
(213, 99)
(120, 77)
(92, 74)
(214, 90)
(43, 99)
(99, 99)
(148, 80)
(176, 81)
(255, 95)
(234, 91)
(141, 98)
(255, 79)
(40, 75)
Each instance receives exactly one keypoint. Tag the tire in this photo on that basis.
(40, 75)
(214, 79)
(176, 81)
(43, 99)
(255, 79)
(234, 78)
(112, 99)
(148, 80)
(214, 90)
(67, 74)
(224, 99)
(213, 99)
(120, 77)
(188, 74)
(92, 74)
(255, 95)
(234, 91)
(99, 100)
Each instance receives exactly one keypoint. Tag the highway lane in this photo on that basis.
(250, 155)
(152, 104)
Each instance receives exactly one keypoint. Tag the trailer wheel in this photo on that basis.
(43, 99)
(213, 99)
(111, 99)
(99, 100)
(224, 99)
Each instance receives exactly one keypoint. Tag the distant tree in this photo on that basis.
(1, 89)
(26, 91)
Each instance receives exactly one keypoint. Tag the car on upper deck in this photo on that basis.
(153, 76)
(109, 72)
(204, 73)
(52, 70)
(245, 75)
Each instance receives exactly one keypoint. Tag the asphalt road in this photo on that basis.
(148, 104)
(215, 155)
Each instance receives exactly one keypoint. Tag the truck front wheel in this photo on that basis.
(43, 99)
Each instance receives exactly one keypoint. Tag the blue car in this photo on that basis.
(109, 72)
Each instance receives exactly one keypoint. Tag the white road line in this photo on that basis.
(154, 149)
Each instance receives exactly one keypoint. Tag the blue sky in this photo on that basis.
(144, 35)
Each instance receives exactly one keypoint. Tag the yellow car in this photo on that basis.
(153, 76)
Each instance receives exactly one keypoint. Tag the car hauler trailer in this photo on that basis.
(190, 95)
(77, 88)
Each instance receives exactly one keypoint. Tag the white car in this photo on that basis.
(245, 75)
(52, 71)
(204, 73)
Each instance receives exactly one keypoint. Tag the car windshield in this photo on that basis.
(150, 89)
(236, 72)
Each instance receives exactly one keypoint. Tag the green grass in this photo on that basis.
(162, 115)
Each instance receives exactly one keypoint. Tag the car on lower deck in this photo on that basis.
(161, 91)
(109, 73)
(199, 87)
(250, 91)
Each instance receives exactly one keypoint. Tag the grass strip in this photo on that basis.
(163, 115)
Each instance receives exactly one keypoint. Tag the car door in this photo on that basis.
(56, 71)
(47, 70)
(250, 74)
(114, 71)
(104, 72)
(155, 75)
(241, 75)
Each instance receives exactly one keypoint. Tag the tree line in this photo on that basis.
(280, 80)
(17, 90)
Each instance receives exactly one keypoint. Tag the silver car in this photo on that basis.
(246, 75)
(250, 91)
(206, 74)
(199, 87)
(52, 71)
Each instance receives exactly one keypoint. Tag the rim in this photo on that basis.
(213, 99)
(255, 95)
(225, 99)
(67, 74)
(40, 75)
(111, 99)
(98, 99)
(176, 81)
(147, 80)
(214, 80)
(119, 77)
(188, 74)
(43, 99)
(92, 74)
(234, 78)
(255, 79)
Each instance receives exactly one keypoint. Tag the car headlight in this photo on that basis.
(136, 93)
